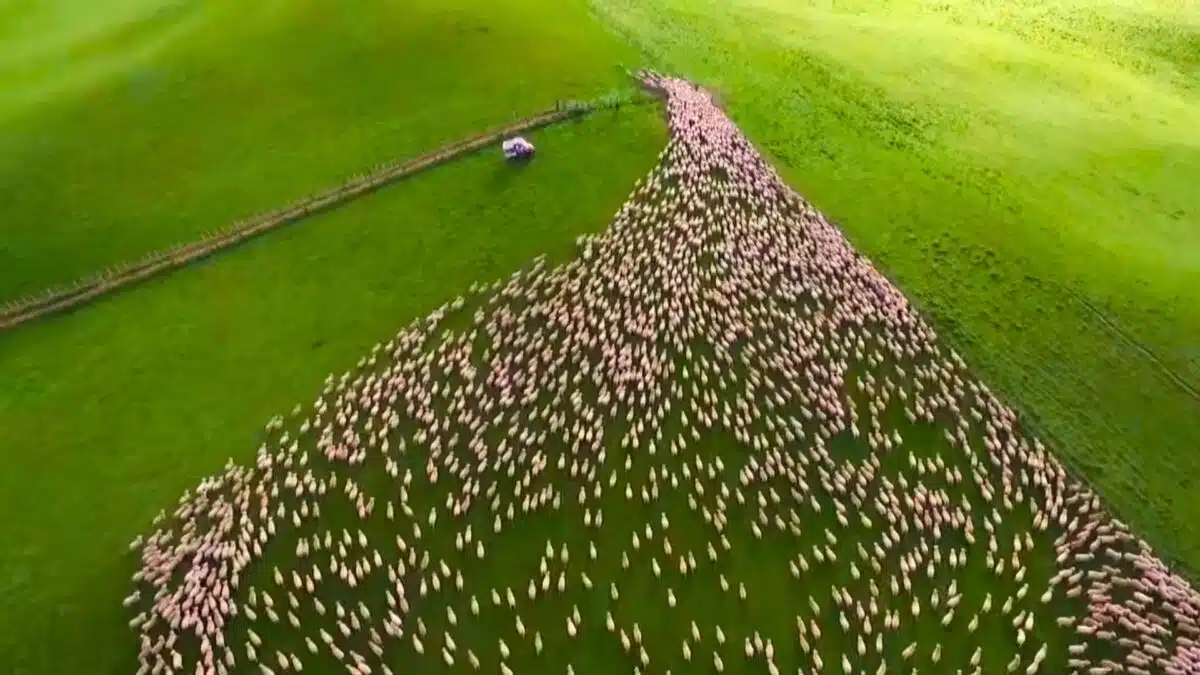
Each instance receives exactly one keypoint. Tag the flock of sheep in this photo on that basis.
(718, 440)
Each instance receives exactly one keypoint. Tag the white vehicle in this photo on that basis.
(517, 148)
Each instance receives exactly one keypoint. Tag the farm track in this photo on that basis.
(24, 311)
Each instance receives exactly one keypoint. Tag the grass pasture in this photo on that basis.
(708, 444)
(1000, 160)
(132, 127)
(1005, 162)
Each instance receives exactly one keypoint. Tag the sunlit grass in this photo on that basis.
(1002, 161)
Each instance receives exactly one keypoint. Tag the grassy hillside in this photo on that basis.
(128, 126)
(1025, 170)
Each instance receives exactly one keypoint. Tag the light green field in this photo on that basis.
(1000, 160)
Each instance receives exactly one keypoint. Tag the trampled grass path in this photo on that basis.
(60, 300)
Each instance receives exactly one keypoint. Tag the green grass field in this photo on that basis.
(1000, 160)
(133, 128)
(987, 157)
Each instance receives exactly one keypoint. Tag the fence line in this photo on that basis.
(59, 300)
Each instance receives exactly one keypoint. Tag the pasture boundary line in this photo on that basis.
(24, 311)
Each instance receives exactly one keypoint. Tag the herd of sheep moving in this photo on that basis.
(921, 530)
